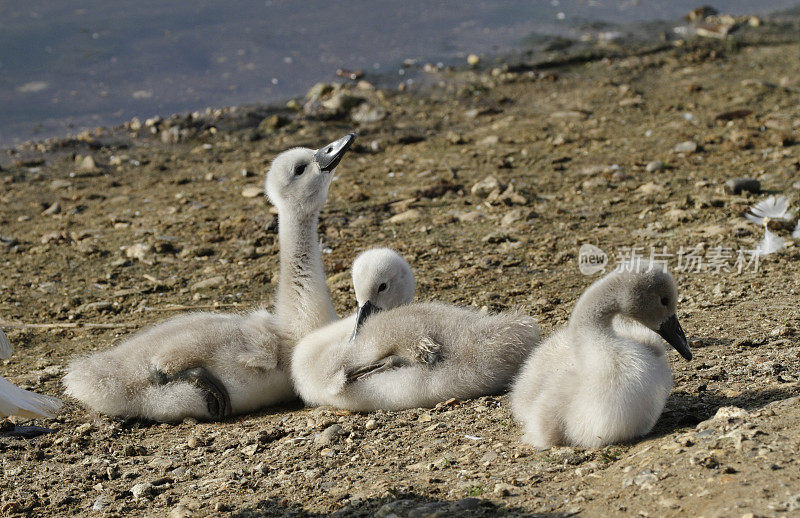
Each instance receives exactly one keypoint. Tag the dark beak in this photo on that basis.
(328, 157)
(672, 332)
(363, 313)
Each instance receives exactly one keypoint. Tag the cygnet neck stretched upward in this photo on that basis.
(303, 300)
(297, 184)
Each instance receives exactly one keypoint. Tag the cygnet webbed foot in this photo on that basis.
(216, 395)
(384, 364)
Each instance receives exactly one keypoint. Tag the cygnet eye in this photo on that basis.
(382, 287)
(665, 301)
(299, 169)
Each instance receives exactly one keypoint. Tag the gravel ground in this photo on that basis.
(488, 182)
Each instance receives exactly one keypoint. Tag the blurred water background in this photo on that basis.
(69, 66)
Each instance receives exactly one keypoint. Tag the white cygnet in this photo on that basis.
(405, 355)
(604, 378)
(209, 365)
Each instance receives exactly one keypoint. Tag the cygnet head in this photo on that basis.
(648, 295)
(299, 178)
(382, 280)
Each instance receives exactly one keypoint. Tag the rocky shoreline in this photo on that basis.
(488, 180)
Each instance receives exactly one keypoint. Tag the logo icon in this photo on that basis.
(591, 260)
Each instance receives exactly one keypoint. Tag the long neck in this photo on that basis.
(303, 302)
(596, 308)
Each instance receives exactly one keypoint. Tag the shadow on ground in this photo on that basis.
(406, 505)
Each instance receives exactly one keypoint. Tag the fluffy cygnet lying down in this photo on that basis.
(603, 378)
(405, 355)
(209, 365)
(19, 402)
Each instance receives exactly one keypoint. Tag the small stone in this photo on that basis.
(491, 140)
(371, 424)
(342, 102)
(180, 511)
(368, 114)
(686, 147)
(319, 90)
(250, 449)
(405, 217)
(139, 251)
(141, 490)
(489, 457)
(654, 166)
(83, 429)
(486, 186)
(328, 436)
(212, 282)
(52, 210)
(513, 216)
(650, 188)
(60, 184)
(739, 185)
(88, 164)
(194, 442)
(455, 138)
(473, 60)
(252, 191)
(731, 412)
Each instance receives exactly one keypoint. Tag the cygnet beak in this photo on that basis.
(329, 156)
(672, 332)
(367, 309)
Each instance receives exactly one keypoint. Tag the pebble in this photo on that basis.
(739, 185)
(194, 442)
(252, 191)
(650, 188)
(60, 184)
(52, 210)
(341, 102)
(654, 166)
(328, 436)
(686, 147)
(473, 60)
(142, 489)
(491, 140)
(371, 424)
(211, 282)
(319, 90)
(139, 251)
(368, 114)
(180, 511)
(512, 217)
(87, 163)
(486, 186)
(407, 216)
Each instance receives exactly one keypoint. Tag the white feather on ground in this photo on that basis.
(770, 244)
(18, 402)
(774, 207)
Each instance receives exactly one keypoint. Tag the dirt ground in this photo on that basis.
(167, 217)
